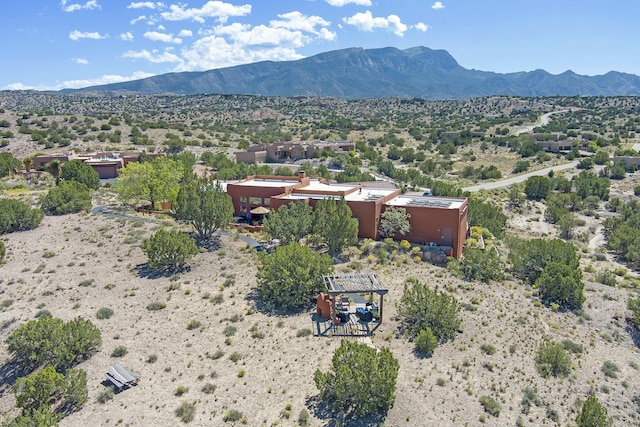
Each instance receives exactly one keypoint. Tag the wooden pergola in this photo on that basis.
(359, 283)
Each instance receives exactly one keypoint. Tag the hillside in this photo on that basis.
(376, 73)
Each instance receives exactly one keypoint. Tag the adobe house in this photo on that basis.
(435, 221)
(284, 151)
(106, 163)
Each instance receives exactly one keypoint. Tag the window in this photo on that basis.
(266, 201)
(255, 201)
(243, 199)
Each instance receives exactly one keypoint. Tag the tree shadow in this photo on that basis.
(9, 373)
(143, 270)
(633, 331)
(331, 418)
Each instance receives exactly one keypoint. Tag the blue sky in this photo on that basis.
(55, 44)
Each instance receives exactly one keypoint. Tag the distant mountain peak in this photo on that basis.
(376, 73)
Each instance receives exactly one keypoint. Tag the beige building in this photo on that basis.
(290, 151)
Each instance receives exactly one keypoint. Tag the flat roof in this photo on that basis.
(268, 182)
(370, 194)
(427, 202)
(353, 283)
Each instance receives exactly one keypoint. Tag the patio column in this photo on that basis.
(381, 306)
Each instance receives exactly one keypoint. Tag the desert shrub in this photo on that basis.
(105, 395)
(362, 380)
(153, 358)
(156, 305)
(303, 417)
(232, 415)
(478, 264)
(180, 390)
(104, 313)
(193, 324)
(217, 354)
(610, 369)
(607, 277)
(593, 414)
(50, 341)
(304, 332)
(43, 312)
(119, 351)
(421, 308)
(571, 346)
(529, 398)
(208, 388)
(530, 257)
(3, 251)
(553, 360)
(169, 250)
(235, 356)
(290, 277)
(186, 411)
(488, 349)
(68, 197)
(229, 331)
(18, 216)
(425, 342)
(491, 405)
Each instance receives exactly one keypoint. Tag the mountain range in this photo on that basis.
(377, 73)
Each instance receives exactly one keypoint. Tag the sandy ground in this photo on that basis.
(74, 265)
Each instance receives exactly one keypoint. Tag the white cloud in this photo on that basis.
(340, 3)
(215, 52)
(80, 61)
(146, 4)
(155, 56)
(185, 33)
(126, 36)
(437, 5)
(421, 26)
(365, 21)
(211, 9)
(77, 35)
(161, 37)
(91, 4)
(261, 35)
(298, 22)
(139, 18)
(76, 84)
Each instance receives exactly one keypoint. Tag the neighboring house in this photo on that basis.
(286, 151)
(106, 163)
(435, 221)
(628, 161)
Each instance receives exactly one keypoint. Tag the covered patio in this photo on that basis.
(346, 307)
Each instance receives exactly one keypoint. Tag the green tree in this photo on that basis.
(601, 157)
(422, 307)
(53, 168)
(290, 223)
(394, 221)
(537, 187)
(169, 250)
(362, 381)
(334, 224)
(530, 257)
(78, 170)
(562, 285)
(478, 264)
(205, 206)
(50, 341)
(552, 359)
(291, 276)
(634, 305)
(521, 166)
(67, 197)
(588, 184)
(155, 181)
(7, 164)
(75, 389)
(487, 215)
(38, 388)
(425, 342)
(37, 417)
(18, 216)
(3, 251)
(593, 414)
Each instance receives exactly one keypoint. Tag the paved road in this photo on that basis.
(520, 178)
(544, 120)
